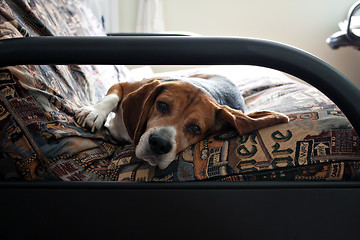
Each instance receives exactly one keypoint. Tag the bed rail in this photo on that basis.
(201, 210)
(187, 51)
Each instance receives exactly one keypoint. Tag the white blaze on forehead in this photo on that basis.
(167, 132)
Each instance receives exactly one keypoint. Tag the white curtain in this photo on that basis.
(150, 16)
(107, 13)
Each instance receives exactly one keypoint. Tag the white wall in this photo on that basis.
(301, 23)
(128, 15)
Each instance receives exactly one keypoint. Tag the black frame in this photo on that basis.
(201, 210)
(187, 51)
(282, 210)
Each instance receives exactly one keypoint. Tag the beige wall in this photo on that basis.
(301, 23)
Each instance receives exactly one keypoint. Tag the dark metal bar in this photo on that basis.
(194, 185)
(179, 212)
(187, 51)
(149, 34)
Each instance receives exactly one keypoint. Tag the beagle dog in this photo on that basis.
(164, 116)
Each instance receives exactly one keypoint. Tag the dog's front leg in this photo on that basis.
(95, 116)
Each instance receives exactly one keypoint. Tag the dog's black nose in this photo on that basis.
(159, 144)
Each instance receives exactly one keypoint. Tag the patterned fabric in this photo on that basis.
(36, 111)
(39, 133)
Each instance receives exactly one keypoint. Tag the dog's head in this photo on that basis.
(164, 118)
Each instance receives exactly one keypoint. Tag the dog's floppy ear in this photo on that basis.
(136, 107)
(247, 123)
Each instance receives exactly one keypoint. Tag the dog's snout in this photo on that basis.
(159, 144)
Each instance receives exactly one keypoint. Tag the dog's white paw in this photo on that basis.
(90, 117)
(95, 116)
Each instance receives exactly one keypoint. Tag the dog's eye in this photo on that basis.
(194, 129)
(162, 107)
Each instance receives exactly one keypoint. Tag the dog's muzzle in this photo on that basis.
(157, 146)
